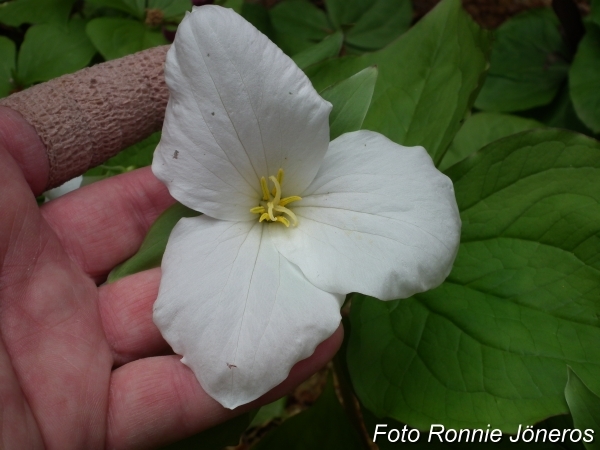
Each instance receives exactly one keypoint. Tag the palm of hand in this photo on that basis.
(78, 363)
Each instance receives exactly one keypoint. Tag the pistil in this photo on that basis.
(273, 206)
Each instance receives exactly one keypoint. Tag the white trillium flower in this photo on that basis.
(292, 223)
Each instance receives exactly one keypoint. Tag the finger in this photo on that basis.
(18, 429)
(126, 312)
(105, 223)
(157, 400)
(24, 145)
(49, 323)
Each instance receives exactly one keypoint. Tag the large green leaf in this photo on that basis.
(151, 252)
(344, 12)
(171, 8)
(585, 408)
(18, 12)
(7, 65)
(51, 50)
(116, 37)
(297, 25)
(370, 25)
(427, 78)
(350, 99)
(327, 48)
(380, 25)
(236, 5)
(560, 113)
(482, 129)
(584, 79)
(257, 15)
(136, 8)
(324, 425)
(595, 12)
(529, 62)
(491, 345)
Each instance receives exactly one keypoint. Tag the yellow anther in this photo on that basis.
(279, 179)
(283, 220)
(287, 200)
(265, 189)
(273, 206)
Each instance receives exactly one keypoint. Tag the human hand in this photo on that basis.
(83, 366)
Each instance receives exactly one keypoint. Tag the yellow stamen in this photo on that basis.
(283, 210)
(265, 189)
(273, 206)
(279, 179)
(285, 201)
(283, 220)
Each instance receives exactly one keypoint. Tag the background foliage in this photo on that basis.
(512, 336)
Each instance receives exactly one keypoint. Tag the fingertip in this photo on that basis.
(21, 140)
(158, 400)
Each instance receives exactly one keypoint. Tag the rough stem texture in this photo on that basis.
(87, 117)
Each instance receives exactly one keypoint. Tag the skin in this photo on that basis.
(82, 366)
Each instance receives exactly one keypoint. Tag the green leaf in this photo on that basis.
(370, 24)
(269, 412)
(136, 8)
(528, 65)
(18, 12)
(236, 5)
(560, 113)
(52, 50)
(491, 344)
(7, 65)
(584, 81)
(116, 37)
(134, 157)
(297, 25)
(324, 425)
(343, 12)
(215, 438)
(350, 99)
(171, 8)
(327, 48)
(151, 252)
(585, 408)
(482, 129)
(427, 80)
(595, 12)
(257, 15)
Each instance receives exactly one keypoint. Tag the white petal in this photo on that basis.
(378, 219)
(238, 311)
(240, 109)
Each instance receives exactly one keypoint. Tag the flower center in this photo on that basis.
(272, 207)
